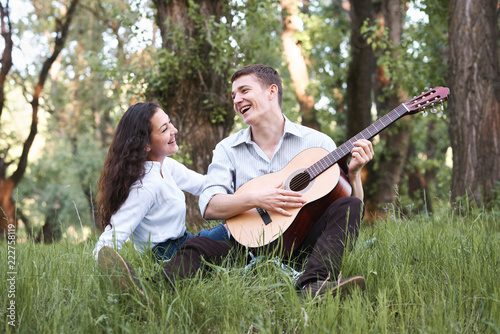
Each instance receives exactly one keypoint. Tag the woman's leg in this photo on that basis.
(165, 250)
(218, 232)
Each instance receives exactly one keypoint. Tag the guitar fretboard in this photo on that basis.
(346, 148)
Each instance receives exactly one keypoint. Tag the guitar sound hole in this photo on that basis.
(300, 181)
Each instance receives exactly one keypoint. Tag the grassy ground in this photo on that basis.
(424, 275)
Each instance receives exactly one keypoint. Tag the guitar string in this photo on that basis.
(330, 159)
(299, 180)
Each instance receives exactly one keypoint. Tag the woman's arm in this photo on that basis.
(125, 220)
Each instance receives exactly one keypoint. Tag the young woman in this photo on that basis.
(141, 188)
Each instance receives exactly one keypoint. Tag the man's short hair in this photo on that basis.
(266, 75)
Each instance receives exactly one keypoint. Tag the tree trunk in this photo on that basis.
(396, 140)
(297, 63)
(6, 186)
(474, 103)
(7, 206)
(196, 91)
(50, 231)
(359, 77)
(418, 182)
(7, 214)
(6, 61)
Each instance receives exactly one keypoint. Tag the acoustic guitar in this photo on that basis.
(316, 174)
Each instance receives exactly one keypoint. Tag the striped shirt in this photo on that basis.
(237, 159)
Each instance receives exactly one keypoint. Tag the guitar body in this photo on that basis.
(250, 229)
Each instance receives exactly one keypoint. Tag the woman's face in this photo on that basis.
(162, 139)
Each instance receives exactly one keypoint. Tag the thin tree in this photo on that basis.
(359, 75)
(396, 141)
(6, 61)
(361, 67)
(297, 62)
(7, 184)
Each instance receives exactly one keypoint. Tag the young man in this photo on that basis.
(269, 143)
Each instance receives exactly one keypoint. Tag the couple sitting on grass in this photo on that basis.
(141, 190)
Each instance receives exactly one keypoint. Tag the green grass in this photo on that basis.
(436, 274)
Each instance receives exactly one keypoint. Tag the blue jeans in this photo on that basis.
(165, 250)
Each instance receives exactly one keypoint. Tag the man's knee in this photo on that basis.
(195, 244)
(347, 205)
(349, 201)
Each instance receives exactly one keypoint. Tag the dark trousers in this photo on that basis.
(323, 246)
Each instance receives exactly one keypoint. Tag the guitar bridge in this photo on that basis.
(264, 215)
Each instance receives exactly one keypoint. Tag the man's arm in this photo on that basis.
(362, 153)
(277, 199)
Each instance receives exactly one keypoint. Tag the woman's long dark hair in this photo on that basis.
(125, 160)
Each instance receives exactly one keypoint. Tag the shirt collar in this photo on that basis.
(290, 128)
(152, 165)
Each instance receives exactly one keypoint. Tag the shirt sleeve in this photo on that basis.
(185, 178)
(126, 219)
(220, 177)
(328, 143)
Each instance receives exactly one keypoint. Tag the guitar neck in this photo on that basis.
(343, 150)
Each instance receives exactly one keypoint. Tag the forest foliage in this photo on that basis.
(113, 57)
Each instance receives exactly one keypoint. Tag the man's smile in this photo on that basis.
(244, 109)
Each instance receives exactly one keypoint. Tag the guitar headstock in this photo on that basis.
(427, 99)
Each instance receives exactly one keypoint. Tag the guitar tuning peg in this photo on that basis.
(434, 110)
(424, 114)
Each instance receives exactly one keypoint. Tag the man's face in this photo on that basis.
(250, 98)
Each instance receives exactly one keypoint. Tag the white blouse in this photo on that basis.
(155, 209)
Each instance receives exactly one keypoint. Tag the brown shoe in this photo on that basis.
(343, 287)
(120, 272)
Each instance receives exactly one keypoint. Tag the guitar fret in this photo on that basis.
(324, 164)
(346, 148)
